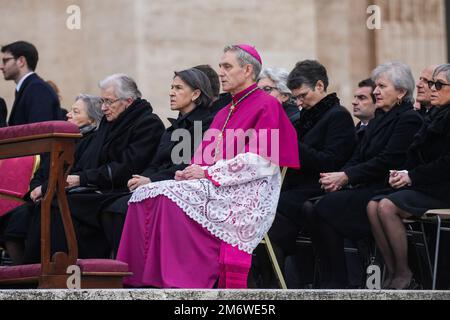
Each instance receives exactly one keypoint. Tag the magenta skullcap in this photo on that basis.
(251, 51)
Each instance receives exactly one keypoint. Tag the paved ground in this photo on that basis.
(153, 294)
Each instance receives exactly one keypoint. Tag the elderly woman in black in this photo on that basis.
(424, 185)
(342, 213)
(190, 95)
(86, 114)
(125, 142)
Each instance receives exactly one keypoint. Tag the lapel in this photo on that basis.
(19, 94)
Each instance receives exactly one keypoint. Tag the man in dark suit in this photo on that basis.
(35, 100)
(3, 113)
(364, 105)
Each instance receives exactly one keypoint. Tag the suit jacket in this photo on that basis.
(326, 142)
(3, 113)
(35, 102)
(384, 146)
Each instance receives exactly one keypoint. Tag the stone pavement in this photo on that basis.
(156, 294)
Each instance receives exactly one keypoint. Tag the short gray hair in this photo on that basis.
(279, 76)
(124, 86)
(93, 107)
(400, 75)
(244, 58)
(443, 68)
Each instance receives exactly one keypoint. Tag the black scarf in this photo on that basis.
(310, 117)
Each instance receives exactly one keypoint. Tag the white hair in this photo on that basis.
(124, 86)
(279, 76)
(400, 75)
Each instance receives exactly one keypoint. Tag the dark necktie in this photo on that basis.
(360, 132)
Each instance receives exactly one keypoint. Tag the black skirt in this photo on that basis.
(414, 202)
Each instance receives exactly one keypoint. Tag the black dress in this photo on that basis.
(162, 166)
(117, 150)
(326, 135)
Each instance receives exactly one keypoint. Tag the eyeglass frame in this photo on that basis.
(302, 96)
(110, 103)
(6, 60)
(437, 84)
(270, 89)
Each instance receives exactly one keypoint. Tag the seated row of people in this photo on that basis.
(350, 208)
(213, 210)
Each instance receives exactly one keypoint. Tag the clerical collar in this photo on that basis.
(19, 84)
(238, 96)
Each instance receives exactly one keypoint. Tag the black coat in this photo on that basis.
(292, 111)
(40, 177)
(3, 113)
(326, 135)
(121, 148)
(384, 147)
(326, 138)
(36, 101)
(429, 157)
(116, 151)
(222, 101)
(162, 167)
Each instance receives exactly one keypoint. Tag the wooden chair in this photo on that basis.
(56, 138)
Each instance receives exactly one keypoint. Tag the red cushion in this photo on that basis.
(19, 272)
(86, 265)
(102, 265)
(15, 175)
(10, 193)
(39, 128)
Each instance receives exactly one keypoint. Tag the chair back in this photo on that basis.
(15, 176)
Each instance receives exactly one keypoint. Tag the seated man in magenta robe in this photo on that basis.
(199, 230)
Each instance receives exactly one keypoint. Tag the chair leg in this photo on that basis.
(427, 250)
(275, 264)
(436, 253)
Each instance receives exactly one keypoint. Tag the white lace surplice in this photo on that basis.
(237, 203)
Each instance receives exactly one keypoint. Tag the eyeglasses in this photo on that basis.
(268, 89)
(438, 85)
(301, 96)
(5, 60)
(108, 103)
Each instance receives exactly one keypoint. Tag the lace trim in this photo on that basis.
(239, 214)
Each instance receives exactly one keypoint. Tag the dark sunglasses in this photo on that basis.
(438, 85)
